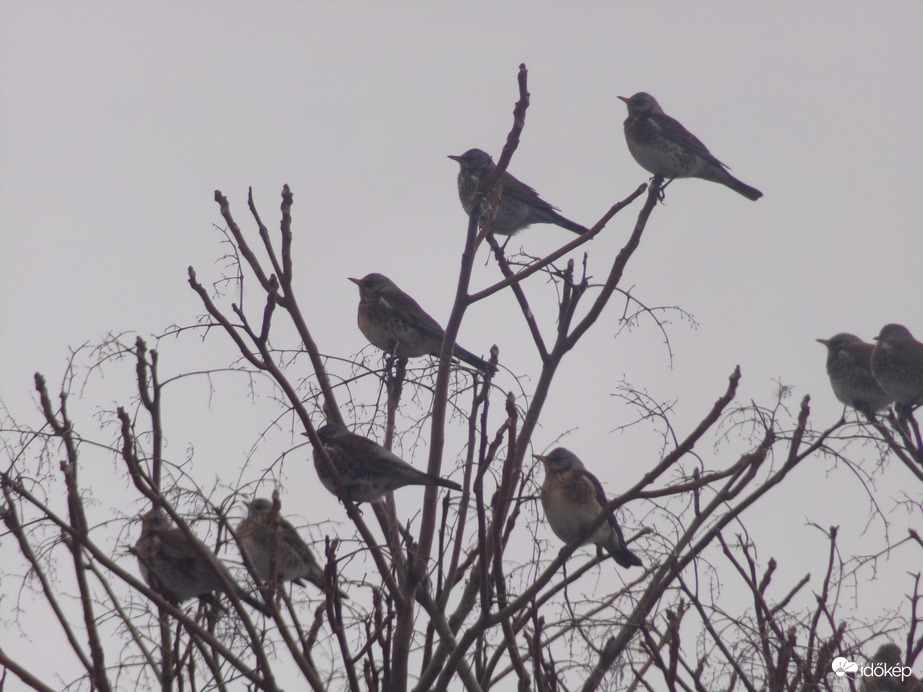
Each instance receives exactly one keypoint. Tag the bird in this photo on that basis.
(888, 672)
(897, 364)
(572, 498)
(664, 147)
(367, 470)
(520, 205)
(849, 368)
(394, 322)
(294, 560)
(178, 568)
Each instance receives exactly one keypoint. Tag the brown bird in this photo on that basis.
(897, 364)
(520, 205)
(573, 497)
(664, 147)
(178, 568)
(889, 673)
(294, 560)
(367, 470)
(849, 368)
(394, 322)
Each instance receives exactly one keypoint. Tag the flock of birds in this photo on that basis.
(176, 565)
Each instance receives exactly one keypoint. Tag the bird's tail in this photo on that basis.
(742, 188)
(625, 557)
(443, 482)
(570, 225)
(473, 360)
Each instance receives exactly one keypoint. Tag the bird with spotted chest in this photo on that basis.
(573, 498)
(664, 147)
(849, 361)
(897, 364)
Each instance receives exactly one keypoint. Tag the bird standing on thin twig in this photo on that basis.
(664, 147)
(519, 205)
(367, 470)
(897, 364)
(849, 361)
(573, 497)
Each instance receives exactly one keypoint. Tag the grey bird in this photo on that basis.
(664, 147)
(367, 470)
(889, 674)
(294, 560)
(519, 206)
(572, 498)
(394, 322)
(178, 568)
(849, 369)
(897, 364)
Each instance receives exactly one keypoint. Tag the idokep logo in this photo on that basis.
(876, 669)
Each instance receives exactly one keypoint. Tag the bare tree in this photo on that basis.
(444, 601)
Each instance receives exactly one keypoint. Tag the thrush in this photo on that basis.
(394, 322)
(519, 205)
(573, 498)
(664, 147)
(294, 560)
(888, 674)
(897, 364)
(367, 470)
(849, 368)
(179, 568)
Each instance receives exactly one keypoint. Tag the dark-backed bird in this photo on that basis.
(519, 205)
(573, 497)
(849, 361)
(897, 364)
(664, 147)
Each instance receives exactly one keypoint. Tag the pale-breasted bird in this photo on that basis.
(519, 205)
(897, 364)
(394, 322)
(294, 560)
(849, 368)
(664, 147)
(367, 470)
(573, 497)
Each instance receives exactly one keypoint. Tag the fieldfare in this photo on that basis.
(367, 470)
(294, 560)
(177, 568)
(888, 673)
(664, 147)
(520, 205)
(897, 364)
(394, 322)
(849, 368)
(572, 498)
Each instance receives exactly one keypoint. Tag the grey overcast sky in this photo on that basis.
(119, 120)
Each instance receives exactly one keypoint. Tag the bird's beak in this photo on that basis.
(626, 100)
(825, 342)
(358, 282)
(144, 518)
(454, 157)
(542, 459)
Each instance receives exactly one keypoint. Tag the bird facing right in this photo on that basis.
(849, 368)
(885, 678)
(367, 470)
(394, 322)
(520, 205)
(664, 147)
(572, 498)
(294, 560)
(897, 364)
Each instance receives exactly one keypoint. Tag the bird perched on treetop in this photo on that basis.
(897, 364)
(294, 559)
(849, 368)
(178, 568)
(367, 470)
(573, 497)
(520, 205)
(394, 322)
(664, 147)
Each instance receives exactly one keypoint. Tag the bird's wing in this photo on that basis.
(673, 130)
(408, 310)
(601, 499)
(517, 189)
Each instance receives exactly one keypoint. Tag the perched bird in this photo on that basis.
(294, 559)
(394, 322)
(888, 672)
(849, 368)
(664, 147)
(520, 205)
(176, 567)
(897, 364)
(572, 498)
(367, 470)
